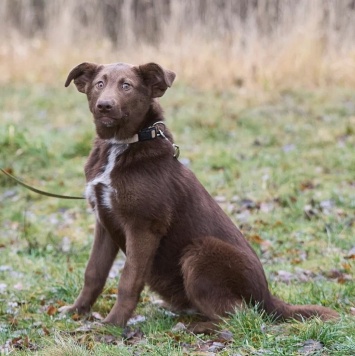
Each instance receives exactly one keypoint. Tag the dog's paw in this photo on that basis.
(113, 321)
(66, 309)
(117, 320)
(72, 309)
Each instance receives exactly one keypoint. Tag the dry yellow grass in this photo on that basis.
(311, 44)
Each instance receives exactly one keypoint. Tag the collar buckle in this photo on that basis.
(147, 134)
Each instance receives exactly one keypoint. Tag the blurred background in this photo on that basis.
(245, 43)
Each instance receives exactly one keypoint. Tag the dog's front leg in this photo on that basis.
(101, 259)
(141, 246)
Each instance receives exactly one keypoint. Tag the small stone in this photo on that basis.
(2, 287)
(178, 327)
(136, 319)
(225, 335)
(310, 346)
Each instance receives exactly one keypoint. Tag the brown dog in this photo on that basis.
(176, 238)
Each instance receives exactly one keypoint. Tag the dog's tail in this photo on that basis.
(282, 310)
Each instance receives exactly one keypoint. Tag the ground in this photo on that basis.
(282, 165)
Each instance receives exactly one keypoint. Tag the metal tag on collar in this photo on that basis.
(177, 151)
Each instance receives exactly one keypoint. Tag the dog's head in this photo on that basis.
(120, 94)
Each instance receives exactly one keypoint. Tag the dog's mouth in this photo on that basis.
(108, 121)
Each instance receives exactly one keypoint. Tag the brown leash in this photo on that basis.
(38, 191)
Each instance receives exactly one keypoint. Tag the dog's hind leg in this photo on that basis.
(219, 277)
(208, 274)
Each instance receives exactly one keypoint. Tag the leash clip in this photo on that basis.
(161, 134)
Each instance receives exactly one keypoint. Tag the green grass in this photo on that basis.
(290, 155)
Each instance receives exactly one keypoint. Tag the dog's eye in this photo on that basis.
(126, 86)
(100, 84)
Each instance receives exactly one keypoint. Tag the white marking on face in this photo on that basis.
(105, 179)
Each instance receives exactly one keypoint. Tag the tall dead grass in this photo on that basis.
(269, 44)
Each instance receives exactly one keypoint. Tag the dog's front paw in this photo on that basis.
(115, 319)
(72, 309)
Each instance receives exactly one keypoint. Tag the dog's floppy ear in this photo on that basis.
(158, 78)
(82, 75)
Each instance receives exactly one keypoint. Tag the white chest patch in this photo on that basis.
(104, 199)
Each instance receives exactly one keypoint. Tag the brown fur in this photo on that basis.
(176, 238)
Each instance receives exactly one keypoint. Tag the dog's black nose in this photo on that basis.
(105, 105)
